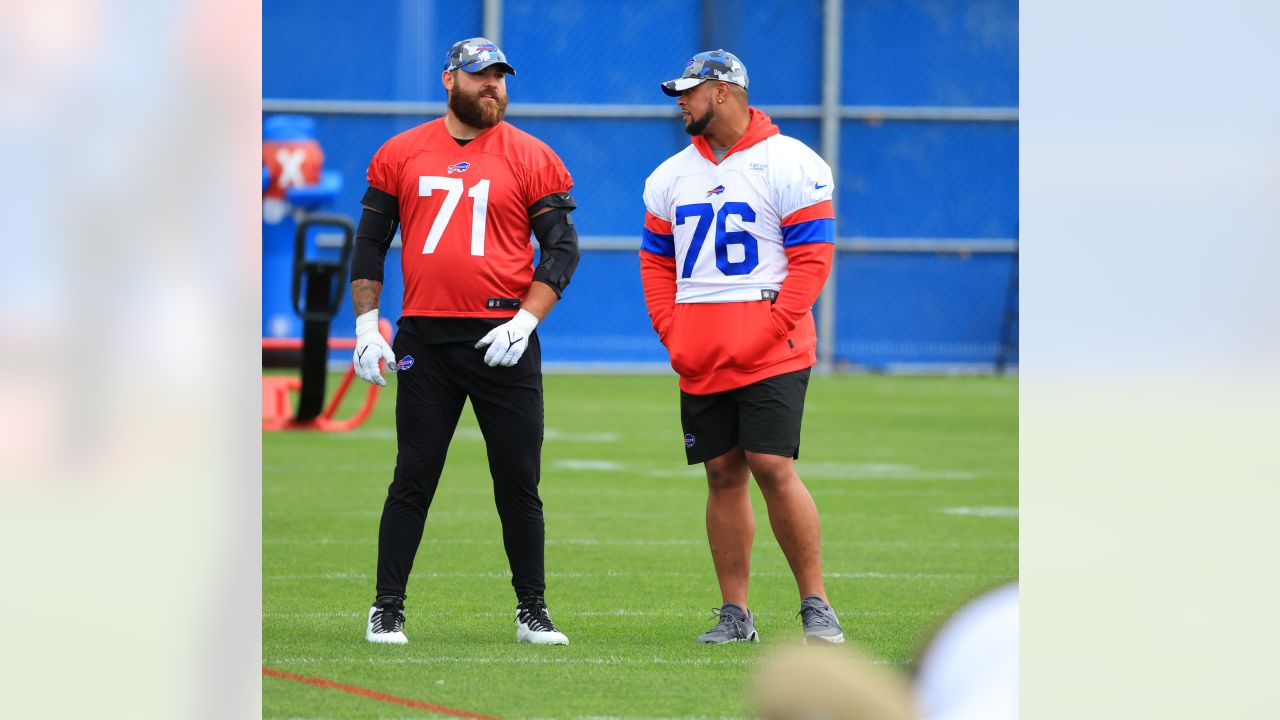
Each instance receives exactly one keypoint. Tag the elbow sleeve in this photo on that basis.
(558, 239)
(373, 239)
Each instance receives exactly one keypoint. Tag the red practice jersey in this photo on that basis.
(464, 214)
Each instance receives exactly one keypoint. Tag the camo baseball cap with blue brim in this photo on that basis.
(476, 54)
(710, 65)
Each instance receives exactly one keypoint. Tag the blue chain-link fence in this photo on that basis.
(927, 167)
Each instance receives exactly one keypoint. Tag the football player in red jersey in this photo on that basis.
(466, 189)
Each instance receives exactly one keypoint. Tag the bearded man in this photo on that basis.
(467, 189)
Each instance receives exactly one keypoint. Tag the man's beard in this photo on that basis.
(696, 126)
(475, 112)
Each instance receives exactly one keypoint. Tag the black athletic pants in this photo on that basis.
(429, 399)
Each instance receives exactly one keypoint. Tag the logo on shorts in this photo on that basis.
(689, 440)
(459, 168)
(717, 190)
(405, 363)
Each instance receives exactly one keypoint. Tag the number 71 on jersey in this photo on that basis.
(452, 186)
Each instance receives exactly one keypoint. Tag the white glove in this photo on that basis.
(370, 348)
(508, 341)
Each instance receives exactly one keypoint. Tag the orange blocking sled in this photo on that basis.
(277, 404)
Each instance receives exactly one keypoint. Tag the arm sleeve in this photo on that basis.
(558, 238)
(377, 227)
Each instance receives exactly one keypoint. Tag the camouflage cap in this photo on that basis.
(475, 54)
(710, 65)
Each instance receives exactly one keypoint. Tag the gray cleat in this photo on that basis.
(735, 625)
(820, 622)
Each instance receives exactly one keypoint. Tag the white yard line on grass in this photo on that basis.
(619, 613)
(556, 434)
(815, 470)
(986, 511)
(823, 470)
(449, 660)
(473, 434)
(499, 574)
(866, 575)
(589, 465)
(646, 543)
(479, 514)
(678, 472)
(876, 471)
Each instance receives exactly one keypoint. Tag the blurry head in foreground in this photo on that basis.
(829, 683)
(970, 668)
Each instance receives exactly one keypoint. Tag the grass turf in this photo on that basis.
(915, 480)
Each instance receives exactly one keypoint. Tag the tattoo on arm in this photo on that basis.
(365, 295)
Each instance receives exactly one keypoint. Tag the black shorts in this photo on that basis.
(763, 417)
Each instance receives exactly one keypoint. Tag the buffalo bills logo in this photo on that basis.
(405, 363)
(485, 46)
(459, 168)
(717, 190)
(689, 440)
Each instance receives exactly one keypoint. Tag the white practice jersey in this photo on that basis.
(728, 225)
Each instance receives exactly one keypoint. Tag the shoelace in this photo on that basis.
(536, 617)
(388, 619)
(815, 616)
(728, 621)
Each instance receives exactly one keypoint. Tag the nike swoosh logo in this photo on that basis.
(817, 186)
(361, 353)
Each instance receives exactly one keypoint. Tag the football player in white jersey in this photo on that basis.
(738, 241)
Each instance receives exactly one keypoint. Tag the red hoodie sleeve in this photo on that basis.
(808, 235)
(658, 272)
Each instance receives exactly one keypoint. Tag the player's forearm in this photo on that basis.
(365, 295)
(658, 271)
(658, 278)
(377, 227)
(539, 300)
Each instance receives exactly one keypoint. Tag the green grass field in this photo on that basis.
(915, 480)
